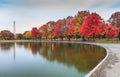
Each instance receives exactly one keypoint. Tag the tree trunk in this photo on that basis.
(93, 37)
(46, 37)
(83, 38)
(69, 37)
(119, 35)
(61, 37)
(51, 36)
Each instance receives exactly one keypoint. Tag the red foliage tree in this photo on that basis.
(56, 30)
(91, 25)
(59, 29)
(35, 33)
(71, 28)
(112, 31)
(103, 28)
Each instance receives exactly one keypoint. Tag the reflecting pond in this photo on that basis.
(33, 59)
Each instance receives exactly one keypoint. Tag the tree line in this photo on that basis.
(83, 25)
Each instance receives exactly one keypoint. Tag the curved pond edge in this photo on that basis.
(97, 70)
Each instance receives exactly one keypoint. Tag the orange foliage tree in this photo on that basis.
(79, 19)
(44, 31)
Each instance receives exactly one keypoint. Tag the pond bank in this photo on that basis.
(111, 65)
(113, 68)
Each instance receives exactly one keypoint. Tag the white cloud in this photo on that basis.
(29, 13)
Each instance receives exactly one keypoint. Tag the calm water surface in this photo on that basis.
(48, 59)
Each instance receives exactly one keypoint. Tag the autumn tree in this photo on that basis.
(6, 35)
(115, 19)
(27, 35)
(35, 33)
(111, 31)
(65, 27)
(60, 29)
(44, 31)
(91, 26)
(19, 36)
(79, 19)
(103, 28)
(51, 25)
(56, 31)
(71, 29)
(24, 35)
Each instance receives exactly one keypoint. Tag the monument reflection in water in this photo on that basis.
(48, 59)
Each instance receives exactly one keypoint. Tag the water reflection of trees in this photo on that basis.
(82, 57)
(6, 46)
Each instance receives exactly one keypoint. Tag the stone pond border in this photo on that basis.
(97, 71)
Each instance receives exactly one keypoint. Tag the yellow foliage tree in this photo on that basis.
(78, 19)
(28, 35)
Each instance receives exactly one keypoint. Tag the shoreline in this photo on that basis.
(110, 64)
(98, 68)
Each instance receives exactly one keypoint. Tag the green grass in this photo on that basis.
(19, 40)
(108, 41)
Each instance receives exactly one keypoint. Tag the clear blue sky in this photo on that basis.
(34, 13)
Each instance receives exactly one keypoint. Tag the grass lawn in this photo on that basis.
(114, 41)
(108, 41)
(19, 40)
